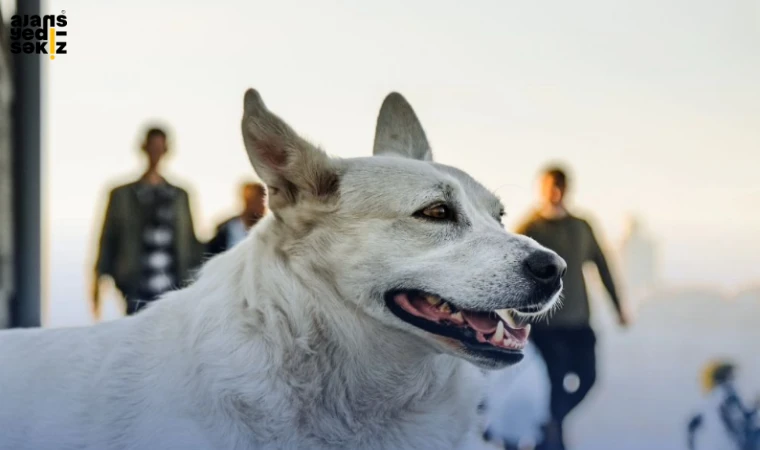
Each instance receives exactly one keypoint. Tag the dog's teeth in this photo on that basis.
(432, 300)
(499, 336)
(457, 317)
(511, 321)
(445, 308)
(506, 315)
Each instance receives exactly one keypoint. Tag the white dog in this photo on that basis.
(344, 321)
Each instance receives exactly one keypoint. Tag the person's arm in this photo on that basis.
(217, 244)
(598, 258)
(733, 414)
(694, 425)
(748, 412)
(196, 246)
(109, 237)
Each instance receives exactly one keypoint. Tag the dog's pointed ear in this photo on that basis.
(290, 166)
(399, 131)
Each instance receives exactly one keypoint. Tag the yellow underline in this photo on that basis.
(52, 43)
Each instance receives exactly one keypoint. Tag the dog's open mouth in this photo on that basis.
(500, 330)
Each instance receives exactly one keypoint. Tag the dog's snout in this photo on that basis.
(545, 267)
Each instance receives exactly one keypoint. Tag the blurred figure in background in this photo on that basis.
(148, 244)
(724, 423)
(638, 255)
(566, 341)
(235, 229)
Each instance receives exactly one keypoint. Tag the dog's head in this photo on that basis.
(415, 245)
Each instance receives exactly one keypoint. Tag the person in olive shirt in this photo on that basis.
(147, 244)
(566, 341)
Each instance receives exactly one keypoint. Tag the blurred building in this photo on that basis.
(6, 198)
(20, 179)
(638, 258)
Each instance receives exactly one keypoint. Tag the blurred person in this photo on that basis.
(235, 229)
(147, 244)
(566, 341)
(725, 423)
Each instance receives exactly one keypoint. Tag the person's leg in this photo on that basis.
(551, 345)
(583, 364)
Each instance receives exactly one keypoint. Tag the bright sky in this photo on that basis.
(655, 105)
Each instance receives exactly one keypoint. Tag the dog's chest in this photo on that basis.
(443, 428)
(438, 419)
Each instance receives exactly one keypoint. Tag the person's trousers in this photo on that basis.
(567, 352)
(134, 305)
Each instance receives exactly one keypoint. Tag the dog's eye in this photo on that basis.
(438, 211)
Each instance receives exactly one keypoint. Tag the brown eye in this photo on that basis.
(437, 212)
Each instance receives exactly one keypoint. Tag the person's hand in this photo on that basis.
(625, 318)
(96, 312)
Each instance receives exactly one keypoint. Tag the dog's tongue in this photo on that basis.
(482, 322)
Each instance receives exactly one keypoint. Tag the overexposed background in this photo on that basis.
(655, 105)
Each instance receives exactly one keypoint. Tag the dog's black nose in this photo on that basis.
(545, 267)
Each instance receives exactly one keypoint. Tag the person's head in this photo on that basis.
(254, 198)
(717, 373)
(155, 146)
(553, 185)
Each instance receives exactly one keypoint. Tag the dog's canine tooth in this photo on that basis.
(511, 321)
(499, 335)
(506, 316)
(433, 300)
(457, 317)
(445, 308)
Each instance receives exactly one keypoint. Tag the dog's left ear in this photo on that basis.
(290, 166)
(399, 131)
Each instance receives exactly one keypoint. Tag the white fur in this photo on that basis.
(284, 342)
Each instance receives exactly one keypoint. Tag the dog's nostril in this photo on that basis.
(545, 267)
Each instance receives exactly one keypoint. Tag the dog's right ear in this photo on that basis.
(399, 131)
(290, 166)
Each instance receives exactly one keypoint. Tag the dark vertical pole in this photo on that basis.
(27, 183)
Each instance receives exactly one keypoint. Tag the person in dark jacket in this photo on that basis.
(566, 341)
(725, 422)
(147, 244)
(235, 229)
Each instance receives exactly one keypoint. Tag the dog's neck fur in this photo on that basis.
(342, 377)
